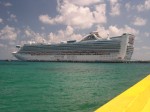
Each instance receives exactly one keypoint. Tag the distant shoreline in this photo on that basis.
(137, 61)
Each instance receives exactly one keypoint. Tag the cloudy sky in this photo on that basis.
(52, 21)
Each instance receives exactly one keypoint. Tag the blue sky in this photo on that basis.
(52, 21)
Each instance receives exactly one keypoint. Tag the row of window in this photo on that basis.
(72, 52)
(71, 48)
(79, 46)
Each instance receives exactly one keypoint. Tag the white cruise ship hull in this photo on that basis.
(73, 58)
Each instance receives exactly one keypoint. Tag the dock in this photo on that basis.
(134, 99)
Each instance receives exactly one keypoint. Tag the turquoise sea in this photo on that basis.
(64, 87)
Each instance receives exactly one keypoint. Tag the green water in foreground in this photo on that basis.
(64, 87)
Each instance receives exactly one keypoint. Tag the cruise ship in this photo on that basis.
(92, 48)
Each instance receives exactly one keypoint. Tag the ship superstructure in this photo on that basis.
(91, 48)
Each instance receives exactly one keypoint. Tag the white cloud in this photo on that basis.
(144, 6)
(45, 19)
(85, 2)
(60, 35)
(63, 35)
(71, 14)
(77, 16)
(48, 20)
(128, 6)
(100, 13)
(115, 31)
(147, 4)
(8, 33)
(146, 47)
(69, 30)
(13, 17)
(115, 8)
(69, 34)
(138, 21)
(1, 20)
(35, 37)
(8, 4)
(139, 7)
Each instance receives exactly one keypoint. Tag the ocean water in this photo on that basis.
(64, 87)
